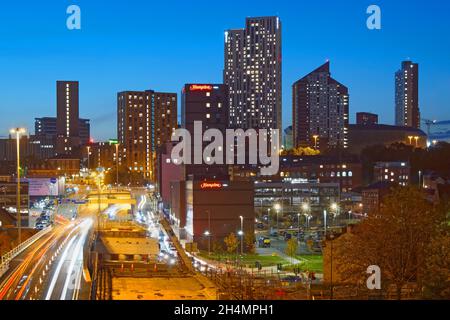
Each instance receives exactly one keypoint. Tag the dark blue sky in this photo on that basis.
(160, 45)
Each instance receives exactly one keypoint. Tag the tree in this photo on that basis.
(300, 151)
(249, 241)
(437, 267)
(231, 242)
(395, 239)
(217, 247)
(291, 248)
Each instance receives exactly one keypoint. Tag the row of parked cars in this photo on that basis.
(44, 220)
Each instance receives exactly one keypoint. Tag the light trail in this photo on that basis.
(77, 256)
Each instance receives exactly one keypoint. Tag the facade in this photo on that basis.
(366, 118)
(252, 72)
(46, 126)
(207, 103)
(216, 206)
(67, 117)
(292, 195)
(397, 173)
(363, 136)
(168, 172)
(35, 147)
(407, 111)
(102, 155)
(347, 173)
(55, 167)
(372, 196)
(320, 109)
(145, 120)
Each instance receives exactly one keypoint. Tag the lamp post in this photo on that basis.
(18, 132)
(315, 137)
(277, 208)
(298, 227)
(88, 157)
(331, 266)
(410, 139)
(241, 233)
(208, 232)
(335, 209)
(416, 138)
(325, 222)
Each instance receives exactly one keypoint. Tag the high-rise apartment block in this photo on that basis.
(320, 110)
(252, 72)
(145, 121)
(67, 116)
(407, 111)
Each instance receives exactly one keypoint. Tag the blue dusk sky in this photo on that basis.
(161, 45)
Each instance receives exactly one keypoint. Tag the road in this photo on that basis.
(52, 268)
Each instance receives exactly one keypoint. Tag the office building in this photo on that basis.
(252, 72)
(145, 121)
(320, 107)
(407, 111)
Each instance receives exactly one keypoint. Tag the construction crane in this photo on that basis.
(430, 123)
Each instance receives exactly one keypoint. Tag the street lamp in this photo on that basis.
(88, 156)
(18, 132)
(277, 207)
(315, 137)
(417, 140)
(241, 233)
(116, 143)
(298, 226)
(410, 139)
(208, 232)
(335, 209)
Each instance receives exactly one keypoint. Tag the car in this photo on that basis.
(291, 279)
(274, 234)
(287, 236)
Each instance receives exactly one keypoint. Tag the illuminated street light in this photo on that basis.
(315, 137)
(18, 132)
(417, 140)
(241, 233)
(277, 207)
(410, 139)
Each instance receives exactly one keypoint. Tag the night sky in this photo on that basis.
(161, 45)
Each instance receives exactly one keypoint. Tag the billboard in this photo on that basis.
(39, 187)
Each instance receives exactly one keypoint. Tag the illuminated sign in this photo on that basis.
(200, 87)
(211, 185)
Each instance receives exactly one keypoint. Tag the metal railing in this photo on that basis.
(7, 257)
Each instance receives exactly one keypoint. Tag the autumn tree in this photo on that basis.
(436, 277)
(395, 239)
(249, 241)
(291, 248)
(231, 242)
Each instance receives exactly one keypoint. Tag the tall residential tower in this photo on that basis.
(320, 111)
(252, 72)
(145, 121)
(407, 111)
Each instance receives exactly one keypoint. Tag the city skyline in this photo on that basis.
(366, 64)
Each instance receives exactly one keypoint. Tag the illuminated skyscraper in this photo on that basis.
(252, 72)
(67, 117)
(407, 111)
(320, 107)
(145, 121)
